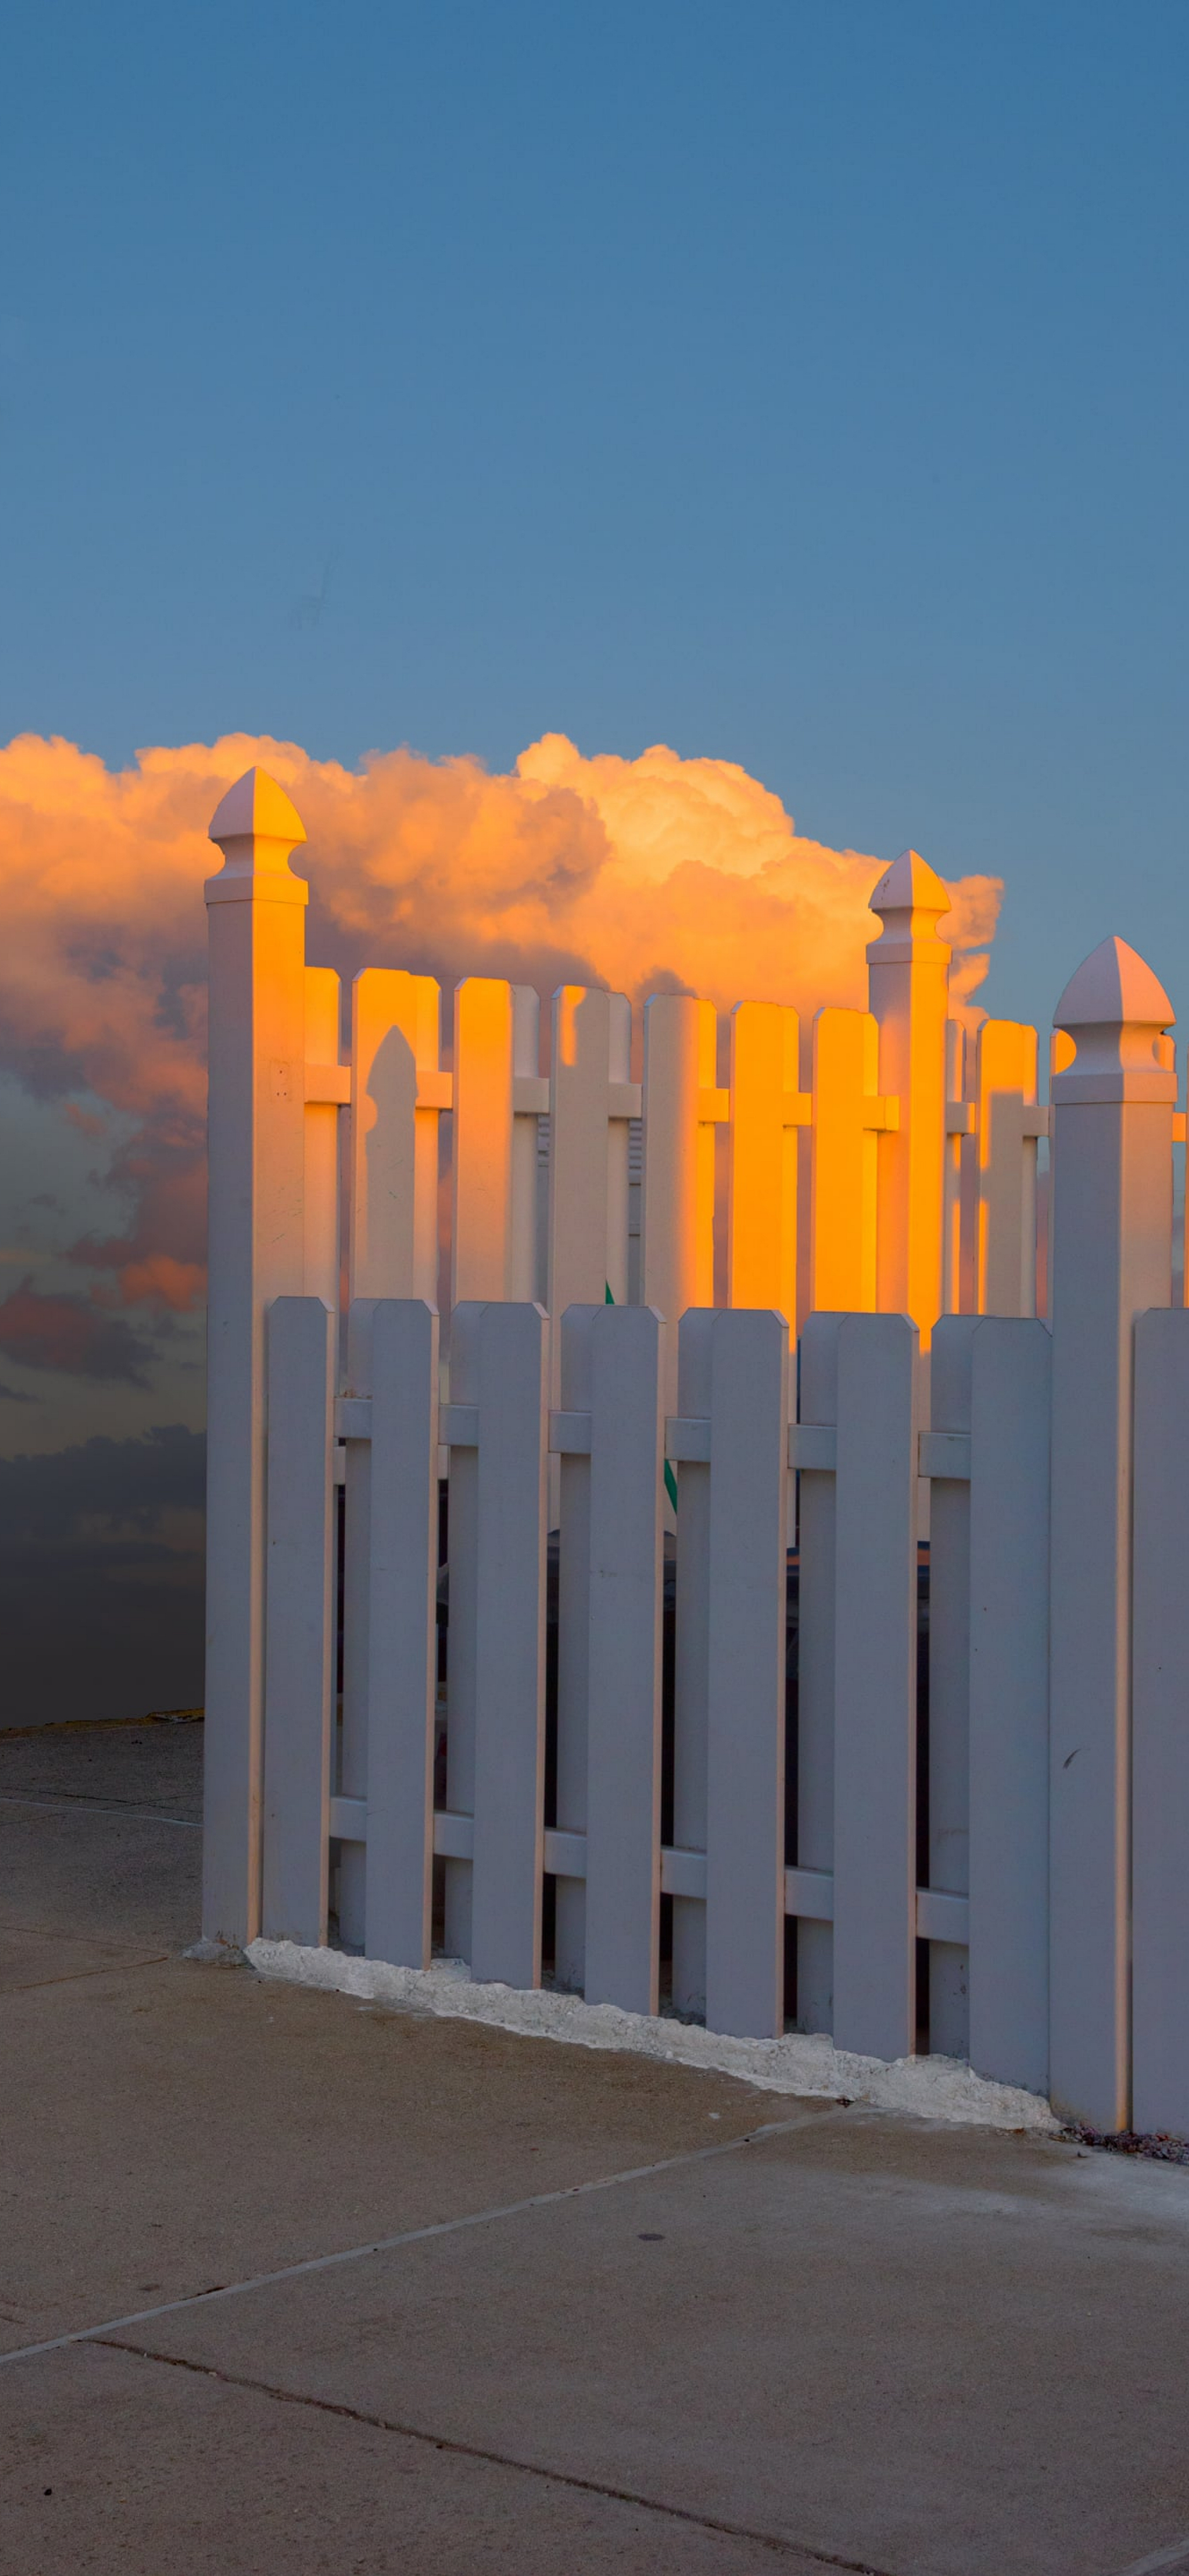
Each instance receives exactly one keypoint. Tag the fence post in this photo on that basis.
(908, 976)
(256, 1129)
(1111, 1258)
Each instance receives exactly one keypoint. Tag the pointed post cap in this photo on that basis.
(1118, 1012)
(256, 826)
(910, 899)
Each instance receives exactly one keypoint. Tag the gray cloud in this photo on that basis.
(101, 1578)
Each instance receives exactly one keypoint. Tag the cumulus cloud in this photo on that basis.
(655, 871)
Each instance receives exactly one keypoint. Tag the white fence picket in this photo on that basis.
(481, 1235)
(509, 1646)
(768, 1108)
(1011, 1372)
(959, 1120)
(691, 1678)
(875, 1687)
(745, 1751)
(357, 1542)
(590, 1106)
(1160, 1742)
(625, 1107)
(460, 1434)
(324, 1076)
(398, 1093)
(623, 1787)
(573, 1639)
(402, 1630)
(530, 1098)
(817, 1513)
(578, 1155)
(1009, 1123)
(949, 1669)
(299, 1627)
(681, 1108)
(849, 1114)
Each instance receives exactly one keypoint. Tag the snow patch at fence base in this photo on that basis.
(933, 2088)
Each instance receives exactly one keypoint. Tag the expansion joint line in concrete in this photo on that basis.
(1173, 2561)
(77, 1976)
(82, 1806)
(769, 2540)
(202, 2299)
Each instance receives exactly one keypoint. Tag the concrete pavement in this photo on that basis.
(619, 2328)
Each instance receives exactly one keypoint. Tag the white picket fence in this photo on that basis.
(975, 1800)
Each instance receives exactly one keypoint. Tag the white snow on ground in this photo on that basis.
(934, 2088)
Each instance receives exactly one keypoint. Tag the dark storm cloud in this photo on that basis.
(101, 1578)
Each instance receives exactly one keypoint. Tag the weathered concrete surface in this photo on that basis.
(859, 2340)
(151, 2470)
(83, 1833)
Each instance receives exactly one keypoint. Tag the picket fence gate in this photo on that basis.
(999, 1788)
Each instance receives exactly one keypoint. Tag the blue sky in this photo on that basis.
(802, 384)
(797, 382)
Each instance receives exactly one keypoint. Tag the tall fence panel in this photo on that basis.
(732, 1616)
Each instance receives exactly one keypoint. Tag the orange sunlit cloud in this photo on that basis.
(637, 873)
